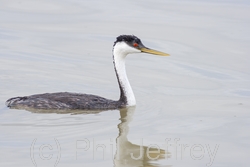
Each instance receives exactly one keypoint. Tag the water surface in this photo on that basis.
(192, 107)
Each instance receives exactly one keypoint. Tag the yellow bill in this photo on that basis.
(155, 52)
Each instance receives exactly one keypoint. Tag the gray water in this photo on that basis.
(193, 108)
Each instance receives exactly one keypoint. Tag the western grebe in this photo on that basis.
(124, 45)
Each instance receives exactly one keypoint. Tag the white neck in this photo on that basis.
(120, 51)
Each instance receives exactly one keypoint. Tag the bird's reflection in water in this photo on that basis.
(72, 112)
(127, 154)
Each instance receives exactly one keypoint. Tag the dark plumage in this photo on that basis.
(64, 100)
(129, 39)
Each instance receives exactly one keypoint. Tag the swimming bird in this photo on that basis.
(124, 45)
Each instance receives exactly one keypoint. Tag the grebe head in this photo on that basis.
(126, 44)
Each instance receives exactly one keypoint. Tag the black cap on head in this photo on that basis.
(129, 39)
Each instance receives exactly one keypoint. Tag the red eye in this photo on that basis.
(135, 44)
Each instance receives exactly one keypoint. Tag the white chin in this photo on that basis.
(121, 48)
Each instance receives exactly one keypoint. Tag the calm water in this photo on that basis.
(193, 108)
